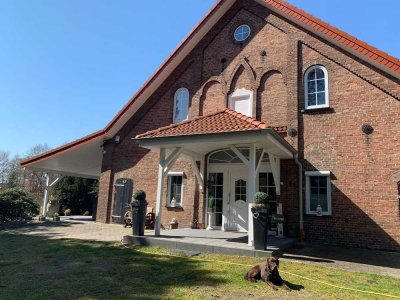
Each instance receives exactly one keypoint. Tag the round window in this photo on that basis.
(242, 33)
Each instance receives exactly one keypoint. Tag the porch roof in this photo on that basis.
(226, 120)
(199, 136)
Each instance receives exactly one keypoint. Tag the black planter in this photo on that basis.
(260, 225)
(139, 209)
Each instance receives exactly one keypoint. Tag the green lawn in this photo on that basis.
(37, 268)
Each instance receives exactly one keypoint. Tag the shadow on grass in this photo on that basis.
(37, 267)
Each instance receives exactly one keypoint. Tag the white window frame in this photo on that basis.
(175, 98)
(329, 192)
(241, 94)
(306, 88)
(171, 174)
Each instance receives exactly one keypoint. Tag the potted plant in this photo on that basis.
(211, 207)
(139, 211)
(260, 220)
(56, 217)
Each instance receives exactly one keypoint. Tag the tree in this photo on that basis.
(4, 166)
(77, 194)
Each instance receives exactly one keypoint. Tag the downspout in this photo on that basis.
(296, 160)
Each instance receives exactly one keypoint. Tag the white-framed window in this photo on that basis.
(175, 189)
(318, 192)
(242, 33)
(242, 101)
(316, 87)
(181, 105)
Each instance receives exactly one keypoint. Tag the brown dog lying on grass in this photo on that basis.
(267, 272)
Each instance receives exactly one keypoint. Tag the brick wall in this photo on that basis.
(365, 209)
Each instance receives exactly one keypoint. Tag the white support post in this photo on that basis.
(251, 189)
(46, 195)
(276, 171)
(160, 183)
(260, 161)
(197, 172)
(168, 162)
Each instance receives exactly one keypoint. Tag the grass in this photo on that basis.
(38, 268)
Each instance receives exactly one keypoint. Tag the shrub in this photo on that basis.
(67, 212)
(210, 202)
(261, 198)
(139, 195)
(17, 205)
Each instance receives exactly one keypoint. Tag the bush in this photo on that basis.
(139, 195)
(210, 202)
(261, 198)
(17, 205)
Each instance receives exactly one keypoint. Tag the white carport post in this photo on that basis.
(163, 167)
(276, 171)
(251, 187)
(47, 190)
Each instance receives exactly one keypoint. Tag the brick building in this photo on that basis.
(260, 96)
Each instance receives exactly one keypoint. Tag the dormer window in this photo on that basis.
(181, 105)
(316, 88)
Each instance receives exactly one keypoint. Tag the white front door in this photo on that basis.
(236, 208)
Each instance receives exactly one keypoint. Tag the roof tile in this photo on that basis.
(223, 121)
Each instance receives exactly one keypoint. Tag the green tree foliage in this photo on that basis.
(76, 194)
(17, 204)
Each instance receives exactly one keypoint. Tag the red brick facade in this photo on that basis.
(365, 168)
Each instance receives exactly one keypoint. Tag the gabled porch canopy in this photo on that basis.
(195, 138)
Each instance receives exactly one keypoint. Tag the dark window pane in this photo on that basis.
(312, 99)
(323, 201)
(321, 98)
(314, 181)
(311, 75)
(263, 189)
(218, 219)
(272, 193)
(263, 179)
(219, 192)
(314, 191)
(271, 181)
(218, 205)
(323, 181)
(321, 85)
(320, 74)
(220, 178)
(314, 202)
(311, 86)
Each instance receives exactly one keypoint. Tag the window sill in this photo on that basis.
(313, 214)
(178, 207)
(318, 110)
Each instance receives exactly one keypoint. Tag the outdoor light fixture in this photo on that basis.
(292, 132)
(263, 53)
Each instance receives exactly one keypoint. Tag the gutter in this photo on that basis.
(301, 223)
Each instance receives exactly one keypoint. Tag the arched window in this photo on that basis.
(316, 87)
(181, 105)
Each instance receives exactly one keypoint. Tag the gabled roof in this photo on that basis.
(226, 120)
(379, 59)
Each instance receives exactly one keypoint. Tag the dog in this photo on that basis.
(267, 272)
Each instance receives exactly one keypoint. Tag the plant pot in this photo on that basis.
(211, 220)
(260, 225)
(139, 211)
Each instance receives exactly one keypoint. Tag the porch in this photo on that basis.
(210, 241)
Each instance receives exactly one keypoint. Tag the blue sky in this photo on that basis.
(68, 66)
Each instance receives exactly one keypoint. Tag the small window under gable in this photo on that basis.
(181, 105)
(242, 101)
(316, 87)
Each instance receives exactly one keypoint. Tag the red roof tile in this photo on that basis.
(223, 121)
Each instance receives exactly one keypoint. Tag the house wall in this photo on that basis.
(365, 169)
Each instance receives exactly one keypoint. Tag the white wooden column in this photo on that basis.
(164, 165)
(47, 190)
(251, 190)
(198, 172)
(46, 195)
